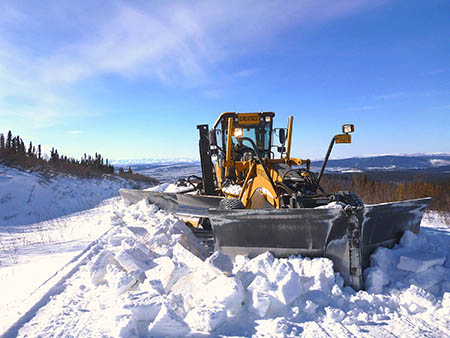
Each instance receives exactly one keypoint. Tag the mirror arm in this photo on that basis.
(327, 156)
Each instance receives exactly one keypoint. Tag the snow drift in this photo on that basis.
(152, 277)
(27, 198)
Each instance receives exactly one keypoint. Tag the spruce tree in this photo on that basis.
(21, 146)
(13, 147)
(30, 150)
(2, 141)
(9, 140)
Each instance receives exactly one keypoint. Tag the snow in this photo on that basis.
(29, 197)
(439, 162)
(135, 271)
(234, 189)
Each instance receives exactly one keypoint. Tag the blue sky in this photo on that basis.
(132, 79)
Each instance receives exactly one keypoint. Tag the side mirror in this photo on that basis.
(348, 128)
(212, 138)
(282, 136)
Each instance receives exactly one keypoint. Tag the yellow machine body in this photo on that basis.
(258, 190)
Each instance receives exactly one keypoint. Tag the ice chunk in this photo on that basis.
(130, 243)
(168, 324)
(260, 303)
(183, 255)
(419, 264)
(121, 280)
(430, 277)
(166, 271)
(289, 288)
(260, 283)
(206, 318)
(98, 269)
(191, 289)
(144, 305)
(125, 326)
(321, 269)
(376, 279)
(333, 314)
(221, 261)
(261, 264)
(227, 291)
(133, 259)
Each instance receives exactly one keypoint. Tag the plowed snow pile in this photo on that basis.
(150, 276)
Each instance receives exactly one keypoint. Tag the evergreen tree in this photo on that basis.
(39, 152)
(9, 140)
(30, 150)
(13, 147)
(2, 141)
(21, 146)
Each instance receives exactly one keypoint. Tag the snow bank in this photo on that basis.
(172, 290)
(27, 198)
(422, 260)
(152, 277)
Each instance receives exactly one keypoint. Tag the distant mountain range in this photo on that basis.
(435, 162)
(166, 169)
(144, 161)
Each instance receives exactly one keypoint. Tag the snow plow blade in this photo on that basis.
(179, 203)
(348, 236)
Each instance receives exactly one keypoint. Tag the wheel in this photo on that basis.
(231, 203)
(349, 198)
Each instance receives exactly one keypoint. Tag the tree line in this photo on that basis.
(376, 191)
(13, 151)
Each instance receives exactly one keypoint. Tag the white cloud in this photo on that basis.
(178, 43)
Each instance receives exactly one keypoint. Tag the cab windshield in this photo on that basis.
(260, 134)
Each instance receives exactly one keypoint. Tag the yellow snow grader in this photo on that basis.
(257, 198)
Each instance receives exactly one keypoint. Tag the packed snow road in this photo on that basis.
(147, 275)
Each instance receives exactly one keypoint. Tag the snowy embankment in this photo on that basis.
(27, 198)
(148, 275)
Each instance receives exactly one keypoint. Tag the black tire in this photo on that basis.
(349, 198)
(230, 204)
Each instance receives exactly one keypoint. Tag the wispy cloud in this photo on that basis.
(407, 94)
(248, 72)
(75, 132)
(362, 108)
(177, 42)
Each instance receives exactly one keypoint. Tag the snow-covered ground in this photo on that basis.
(136, 271)
(27, 198)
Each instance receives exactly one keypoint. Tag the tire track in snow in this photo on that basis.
(405, 325)
(55, 286)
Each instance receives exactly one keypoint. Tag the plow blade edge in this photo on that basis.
(348, 236)
(179, 203)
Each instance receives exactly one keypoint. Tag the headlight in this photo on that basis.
(348, 128)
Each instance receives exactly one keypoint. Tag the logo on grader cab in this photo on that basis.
(248, 118)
